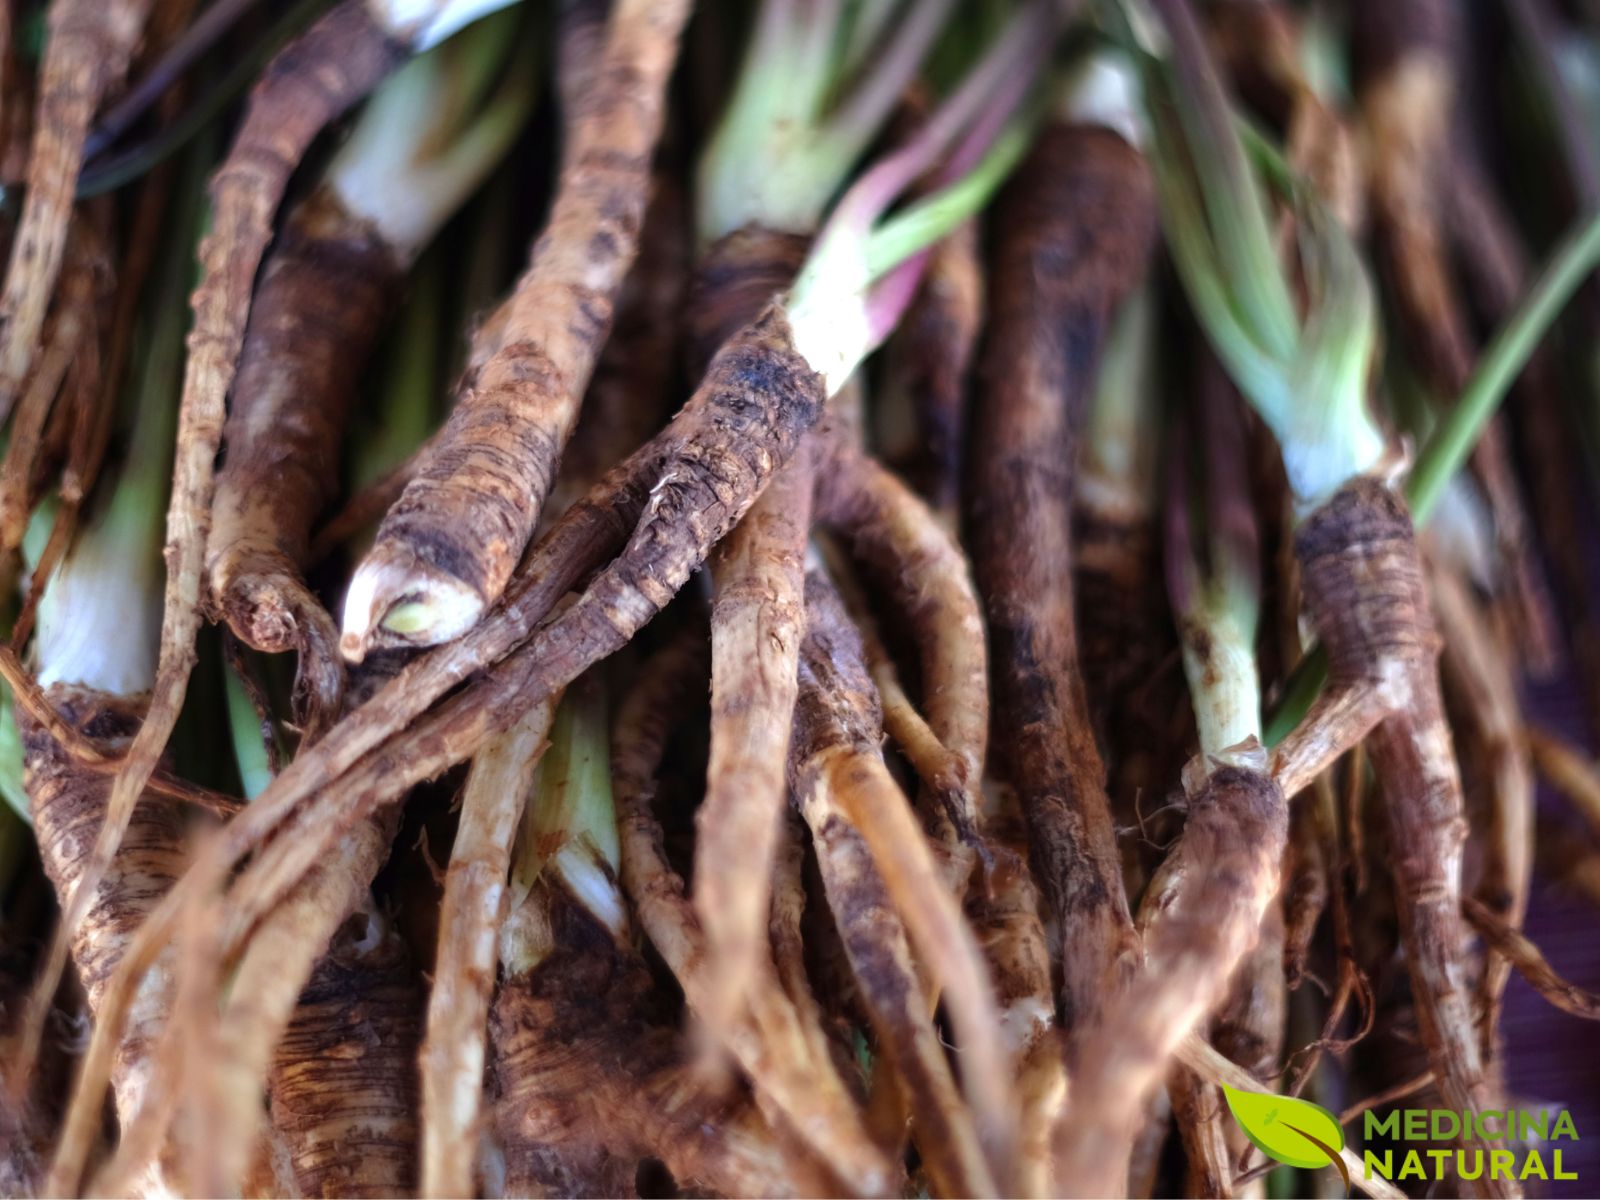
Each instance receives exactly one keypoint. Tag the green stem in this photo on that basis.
(1452, 440)
(244, 728)
(920, 225)
(569, 826)
(11, 764)
(100, 616)
(426, 140)
(1574, 258)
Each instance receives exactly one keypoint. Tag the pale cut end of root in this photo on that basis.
(404, 604)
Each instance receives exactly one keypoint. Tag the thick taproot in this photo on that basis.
(1367, 595)
(1200, 917)
(344, 1077)
(317, 311)
(473, 504)
(68, 800)
(1076, 226)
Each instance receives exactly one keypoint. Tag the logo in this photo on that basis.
(1516, 1144)
(1295, 1132)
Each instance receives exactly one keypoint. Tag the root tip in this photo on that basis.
(404, 604)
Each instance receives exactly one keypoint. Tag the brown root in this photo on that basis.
(1408, 103)
(1197, 1108)
(288, 953)
(635, 381)
(89, 44)
(1005, 916)
(1495, 266)
(73, 323)
(777, 1041)
(1200, 1057)
(464, 963)
(1478, 677)
(590, 1080)
(447, 548)
(69, 804)
(928, 369)
(309, 84)
(1530, 963)
(1570, 772)
(921, 566)
(1049, 311)
(316, 313)
(1200, 918)
(878, 871)
(344, 1093)
(1366, 594)
(689, 486)
(757, 621)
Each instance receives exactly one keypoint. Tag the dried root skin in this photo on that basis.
(1531, 963)
(1307, 876)
(757, 621)
(68, 800)
(1365, 591)
(354, 770)
(316, 313)
(882, 884)
(1005, 916)
(929, 581)
(452, 540)
(1479, 678)
(634, 382)
(1077, 222)
(89, 44)
(306, 86)
(1200, 918)
(590, 1079)
(470, 913)
(735, 278)
(263, 1002)
(744, 423)
(73, 323)
(1198, 1110)
(722, 449)
(777, 1044)
(344, 1092)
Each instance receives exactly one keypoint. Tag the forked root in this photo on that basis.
(308, 85)
(1365, 591)
(772, 1041)
(1200, 917)
(880, 873)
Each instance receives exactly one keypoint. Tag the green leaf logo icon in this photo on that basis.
(1295, 1132)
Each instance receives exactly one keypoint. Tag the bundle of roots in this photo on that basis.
(846, 616)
